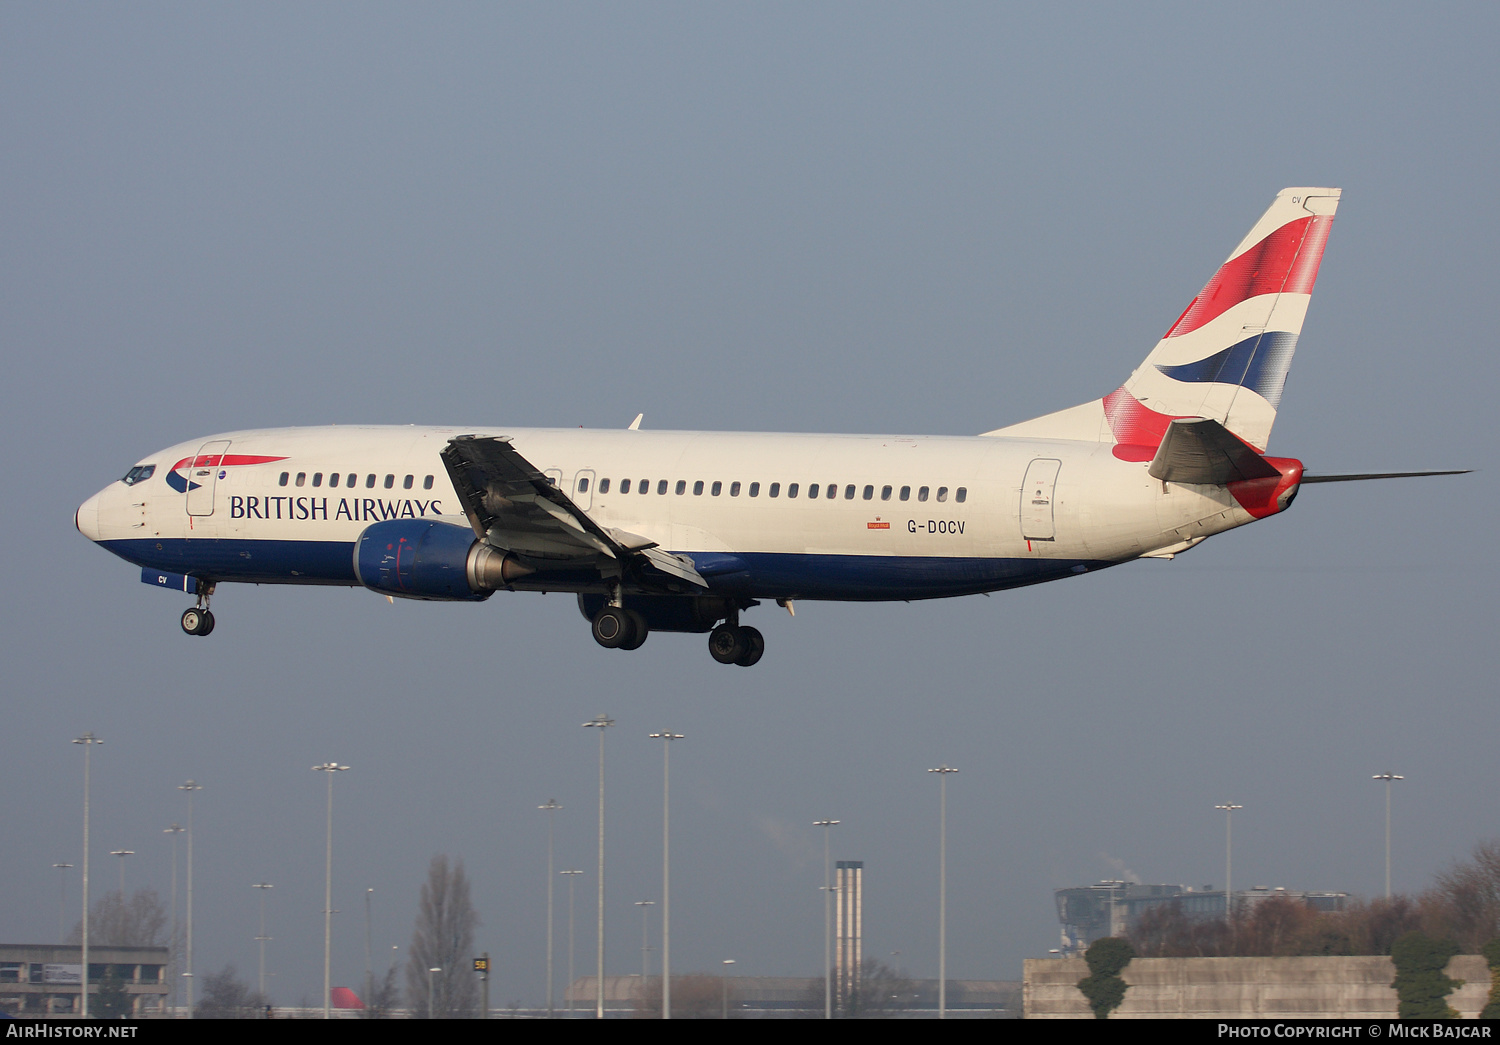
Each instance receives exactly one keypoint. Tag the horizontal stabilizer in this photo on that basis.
(1200, 450)
(1378, 475)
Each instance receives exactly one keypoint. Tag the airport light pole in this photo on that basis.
(262, 938)
(330, 768)
(369, 955)
(724, 984)
(827, 919)
(601, 723)
(550, 808)
(62, 900)
(191, 787)
(1389, 779)
(666, 737)
(571, 875)
(943, 772)
(172, 953)
(1229, 809)
(645, 941)
(122, 854)
(88, 740)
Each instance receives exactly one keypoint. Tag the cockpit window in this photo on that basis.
(139, 474)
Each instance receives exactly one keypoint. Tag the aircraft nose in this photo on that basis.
(87, 517)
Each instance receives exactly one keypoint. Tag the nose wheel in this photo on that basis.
(197, 620)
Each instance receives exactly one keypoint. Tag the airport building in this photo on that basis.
(44, 979)
(1110, 908)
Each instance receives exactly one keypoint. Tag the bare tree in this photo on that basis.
(443, 940)
(226, 997)
(115, 922)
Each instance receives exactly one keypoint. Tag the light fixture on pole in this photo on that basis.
(724, 985)
(666, 737)
(1389, 779)
(601, 723)
(191, 788)
(1229, 809)
(568, 991)
(173, 952)
(826, 825)
(330, 768)
(430, 971)
(645, 941)
(262, 938)
(88, 740)
(122, 854)
(62, 900)
(550, 808)
(369, 955)
(943, 772)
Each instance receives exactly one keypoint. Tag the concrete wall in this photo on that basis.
(1238, 988)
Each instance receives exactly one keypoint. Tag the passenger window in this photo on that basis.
(906, 493)
(604, 486)
(624, 485)
(961, 494)
(284, 477)
(583, 484)
(426, 483)
(301, 478)
(942, 493)
(681, 487)
(755, 489)
(833, 491)
(661, 487)
(716, 488)
(885, 493)
(922, 494)
(869, 492)
(698, 488)
(317, 478)
(849, 493)
(791, 489)
(333, 478)
(734, 489)
(369, 482)
(390, 481)
(774, 490)
(812, 491)
(406, 483)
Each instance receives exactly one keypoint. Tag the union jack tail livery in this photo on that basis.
(1226, 358)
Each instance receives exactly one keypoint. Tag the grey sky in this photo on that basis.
(766, 217)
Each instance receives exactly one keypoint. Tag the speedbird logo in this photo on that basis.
(191, 472)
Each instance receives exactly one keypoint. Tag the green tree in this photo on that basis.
(1491, 952)
(112, 1002)
(1420, 983)
(226, 997)
(1103, 987)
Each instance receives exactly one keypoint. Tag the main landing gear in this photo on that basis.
(199, 620)
(732, 643)
(618, 628)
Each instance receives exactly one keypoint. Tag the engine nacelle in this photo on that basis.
(692, 613)
(435, 561)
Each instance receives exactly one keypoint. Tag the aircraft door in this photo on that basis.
(583, 489)
(1038, 491)
(554, 476)
(203, 477)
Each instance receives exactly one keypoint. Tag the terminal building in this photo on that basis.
(38, 979)
(1110, 908)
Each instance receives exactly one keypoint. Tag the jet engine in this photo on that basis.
(435, 561)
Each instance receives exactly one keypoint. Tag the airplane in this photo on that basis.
(684, 531)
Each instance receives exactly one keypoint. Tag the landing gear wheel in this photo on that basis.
(726, 643)
(639, 629)
(755, 645)
(197, 621)
(612, 628)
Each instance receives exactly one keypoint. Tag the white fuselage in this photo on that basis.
(895, 517)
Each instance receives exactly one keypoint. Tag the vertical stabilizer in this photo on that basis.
(1226, 358)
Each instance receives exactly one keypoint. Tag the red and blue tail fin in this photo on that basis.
(1226, 358)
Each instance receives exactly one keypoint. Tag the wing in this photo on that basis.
(512, 505)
